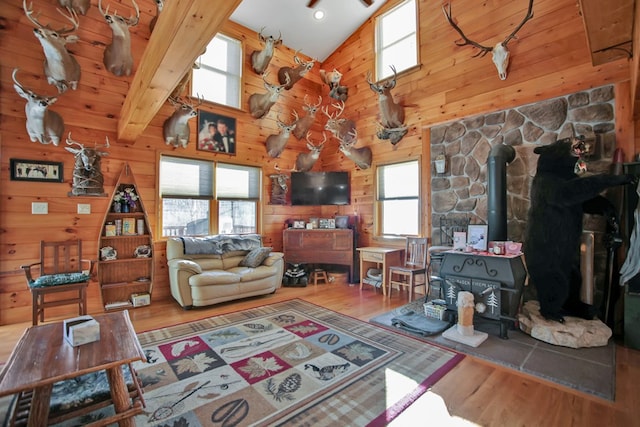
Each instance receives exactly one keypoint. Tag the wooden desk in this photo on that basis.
(380, 258)
(42, 357)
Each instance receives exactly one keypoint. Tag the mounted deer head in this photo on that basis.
(304, 124)
(87, 174)
(117, 56)
(340, 128)
(500, 53)
(261, 103)
(60, 67)
(391, 113)
(78, 6)
(360, 156)
(295, 74)
(260, 58)
(175, 129)
(276, 143)
(332, 79)
(43, 125)
(305, 161)
(159, 6)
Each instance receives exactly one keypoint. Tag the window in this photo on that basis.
(193, 205)
(396, 39)
(398, 199)
(219, 77)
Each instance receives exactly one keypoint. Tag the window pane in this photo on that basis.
(182, 217)
(400, 217)
(237, 216)
(218, 78)
(396, 40)
(399, 180)
(401, 55)
(185, 177)
(235, 181)
(398, 23)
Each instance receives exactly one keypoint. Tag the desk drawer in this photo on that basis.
(372, 256)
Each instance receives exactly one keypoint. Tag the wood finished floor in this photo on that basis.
(474, 393)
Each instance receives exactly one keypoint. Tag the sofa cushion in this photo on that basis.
(255, 257)
(214, 277)
(248, 274)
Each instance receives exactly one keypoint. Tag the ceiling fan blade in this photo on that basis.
(367, 2)
(312, 3)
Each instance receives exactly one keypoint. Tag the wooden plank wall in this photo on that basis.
(549, 59)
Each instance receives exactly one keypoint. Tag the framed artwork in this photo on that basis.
(36, 170)
(298, 224)
(342, 221)
(216, 133)
(477, 237)
(459, 240)
(314, 222)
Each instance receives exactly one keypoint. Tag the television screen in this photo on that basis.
(320, 188)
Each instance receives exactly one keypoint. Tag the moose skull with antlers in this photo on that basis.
(117, 56)
(500, 53)
(87, 174)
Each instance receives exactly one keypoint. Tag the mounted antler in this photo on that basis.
(117, 56)
(175, 129)
(296, 73)
(261, 103)
(260, 58)
(391, 113)
(304, 124)
(60, 67)
(305, 161)
(276, 143)
(87, 176)
(340, 128)
(500, 53)
(360, 156)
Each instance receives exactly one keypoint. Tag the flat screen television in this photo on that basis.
(320, 188)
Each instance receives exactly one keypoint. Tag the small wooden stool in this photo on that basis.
(319, 274)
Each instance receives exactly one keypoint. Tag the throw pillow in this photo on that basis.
(255, 257)
(59, 279)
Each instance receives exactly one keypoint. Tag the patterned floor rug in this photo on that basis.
(589, 370)
(290, 363)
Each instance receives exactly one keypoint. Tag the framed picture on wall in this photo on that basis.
(36, 170)
(477, 237)
(216, 133)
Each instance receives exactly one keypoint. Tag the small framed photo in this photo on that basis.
(331, 223)
(216, 133)
(477, 237)
(298, 224)
(314, 222)
(323, 223)
(342, 221)
(36, 170)
(459, 240)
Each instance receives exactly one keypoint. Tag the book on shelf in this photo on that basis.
(128, 226)
(117, 304)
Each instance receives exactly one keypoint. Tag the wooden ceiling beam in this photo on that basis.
(183, 30)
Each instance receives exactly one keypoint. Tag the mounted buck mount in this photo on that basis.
(43, 125)
(260, 59)
(391, 113)
(303, 124)
(78, 6)
(499, 52)
(175, 129)
(261, 103)
(87, 173)
(60, 67)
(118, 58)
(344, 130)
(305, 161)
(294, 74)
(275, 143)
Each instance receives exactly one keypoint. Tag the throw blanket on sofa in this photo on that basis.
(220, 243)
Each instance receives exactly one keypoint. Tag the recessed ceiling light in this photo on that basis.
(318, 15)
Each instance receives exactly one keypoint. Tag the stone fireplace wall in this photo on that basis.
(461, 191)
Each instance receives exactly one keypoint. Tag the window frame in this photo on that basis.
(379, 206)
(214, 200)
(239, 40)
(380, 73)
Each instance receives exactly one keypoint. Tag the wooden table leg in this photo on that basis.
(39, 411)
(119, 394)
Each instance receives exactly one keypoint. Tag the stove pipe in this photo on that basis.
(499, 157)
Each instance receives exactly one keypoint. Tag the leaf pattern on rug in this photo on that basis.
(298, 352)
(260, 366)
(284, 390)
(194, 364)
(357, 351)
(178, 348)
(304, 329)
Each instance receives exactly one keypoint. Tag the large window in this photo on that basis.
(396, 39)
(202, 197)
(219, 76)
(398, 199)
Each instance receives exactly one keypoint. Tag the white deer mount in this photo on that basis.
(499, 52)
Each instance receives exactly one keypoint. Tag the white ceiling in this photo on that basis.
(300, 31)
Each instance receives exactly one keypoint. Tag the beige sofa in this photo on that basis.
(208, 270)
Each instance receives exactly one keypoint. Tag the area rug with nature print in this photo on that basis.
(290, 363)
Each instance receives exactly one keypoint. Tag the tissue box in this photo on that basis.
(139, 300)
(81, 330)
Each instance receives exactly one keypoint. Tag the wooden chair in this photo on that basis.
(61, 270)
(414, 268)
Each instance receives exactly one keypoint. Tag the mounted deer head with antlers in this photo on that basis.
(304, 124)
(60, 67)
(260, 58)
(360, 156)
(341, 128)
(305, 161)
(87, 174)
(500, 53)
(43, 125)
(295, 74)
(78, 6)
(261, 103)
(391, 113)
(175, 129)
(117, 56)
(276, 143)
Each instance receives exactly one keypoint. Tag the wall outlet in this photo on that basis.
(84, 208)
(39, 208)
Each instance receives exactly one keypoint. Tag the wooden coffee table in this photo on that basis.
(42, 357)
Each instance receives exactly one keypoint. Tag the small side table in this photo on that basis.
(380, 258)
